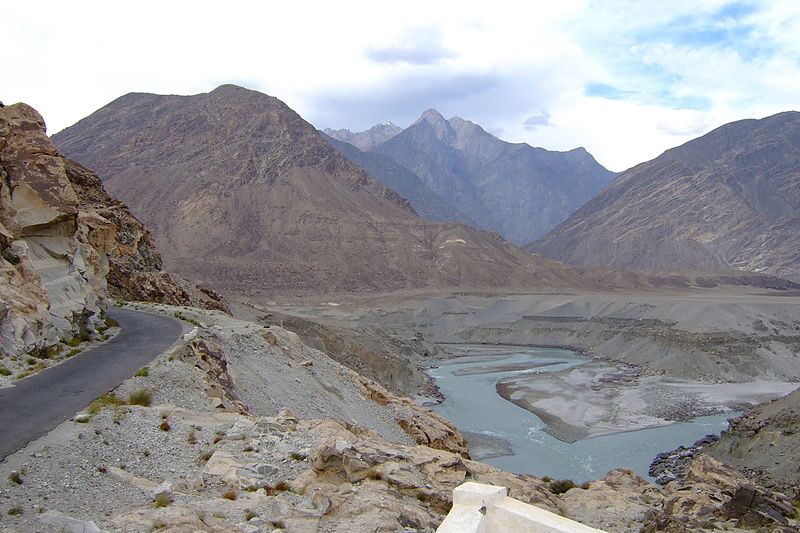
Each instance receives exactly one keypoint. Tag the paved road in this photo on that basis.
(39, 403)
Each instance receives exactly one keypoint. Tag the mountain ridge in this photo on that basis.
(513, 188)
(728, 199)
(274, 207)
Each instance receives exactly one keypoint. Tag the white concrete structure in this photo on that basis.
(479, 508)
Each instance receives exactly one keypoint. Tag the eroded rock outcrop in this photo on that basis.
(54, 256)
(135, 267)
(714, 494)
(67, 246)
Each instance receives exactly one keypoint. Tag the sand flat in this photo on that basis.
(509, 367)
(601, 398)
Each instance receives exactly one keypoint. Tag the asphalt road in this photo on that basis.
(39, 403)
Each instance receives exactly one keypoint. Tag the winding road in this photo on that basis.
(39, 403)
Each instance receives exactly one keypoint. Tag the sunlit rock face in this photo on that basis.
(54, 256)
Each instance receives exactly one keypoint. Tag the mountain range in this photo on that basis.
(729, 199)
(365, 140)
(517, 190)
(241, 192)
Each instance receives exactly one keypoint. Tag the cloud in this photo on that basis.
(417, 46)
(540, 118)
(401, 100)
(625, 79)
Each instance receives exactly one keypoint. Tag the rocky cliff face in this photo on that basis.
(520, 191)
(54, 266)
(67, 245)
(764, 443)
(135, 267)
(242, 192)
(729, 199)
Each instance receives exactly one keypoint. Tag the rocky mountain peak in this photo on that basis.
(365, 140)
(441, 127)
(520, 191)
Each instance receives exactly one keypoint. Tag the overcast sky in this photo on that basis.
(624, 79)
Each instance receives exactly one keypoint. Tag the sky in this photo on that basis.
(624, 79)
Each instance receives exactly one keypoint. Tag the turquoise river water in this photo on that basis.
(474, 406)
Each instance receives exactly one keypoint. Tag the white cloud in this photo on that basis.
(625, 79)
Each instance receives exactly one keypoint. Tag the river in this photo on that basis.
(473, 404)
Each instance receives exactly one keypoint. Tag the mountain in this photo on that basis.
(243, 193)
(729, 199)
(520, 191)
(365, 140)
(401, 180)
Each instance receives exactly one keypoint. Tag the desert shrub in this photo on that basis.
(4, 371)
(230, 494)
(181, 316)
(142, 372)
(281, 486)
(107, 400)
(204, 457)
(162, 500)
(140, 397)
(560, 486)
(15, 477)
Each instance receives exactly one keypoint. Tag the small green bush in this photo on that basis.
(162, 500)
(4, 371)
(181, 316)
(140, 397)
(73, 352)
(74, 341)
(15, 477)
(561, 486)
(142, 372)
(106, 400)
(15, 511)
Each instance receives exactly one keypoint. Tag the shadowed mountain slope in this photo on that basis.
(520, 191)
(729, 199)
(401, 180)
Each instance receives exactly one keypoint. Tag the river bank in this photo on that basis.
(578, 416)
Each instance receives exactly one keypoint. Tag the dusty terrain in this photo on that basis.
(658, 357)
(215, 453)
